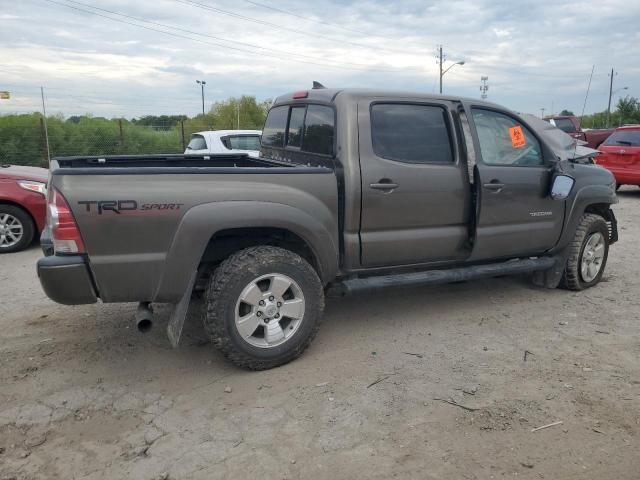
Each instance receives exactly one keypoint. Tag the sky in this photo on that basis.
(124, 58)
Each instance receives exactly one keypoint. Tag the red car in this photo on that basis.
(23, 192)
(621, 155)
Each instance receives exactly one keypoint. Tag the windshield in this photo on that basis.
(624, 137)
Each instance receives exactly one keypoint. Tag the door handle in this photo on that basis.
(384, 184)
(495, 186)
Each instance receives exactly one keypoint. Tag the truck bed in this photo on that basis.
(144, 218)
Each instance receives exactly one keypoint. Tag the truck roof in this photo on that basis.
(328, 95)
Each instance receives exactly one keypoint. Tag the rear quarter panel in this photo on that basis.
(148, 253)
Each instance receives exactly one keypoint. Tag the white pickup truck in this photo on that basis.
(225, 141)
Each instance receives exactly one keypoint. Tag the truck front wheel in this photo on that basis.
(263, 307)
(588, 253)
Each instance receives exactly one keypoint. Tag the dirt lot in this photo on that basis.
(84, 395)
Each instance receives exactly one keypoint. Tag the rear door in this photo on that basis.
(517, 215)
(415, 195)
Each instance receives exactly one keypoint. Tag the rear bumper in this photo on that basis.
(66, 279)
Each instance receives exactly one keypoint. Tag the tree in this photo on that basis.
(628, 108)
(567, 113)
(238, 113)
(159, 121)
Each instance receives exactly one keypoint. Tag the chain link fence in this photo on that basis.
(24, 140)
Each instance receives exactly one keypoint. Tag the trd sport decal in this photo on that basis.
(119, 206)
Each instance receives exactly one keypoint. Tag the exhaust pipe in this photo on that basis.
(144, 317)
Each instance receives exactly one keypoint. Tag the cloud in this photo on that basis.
(536, 53)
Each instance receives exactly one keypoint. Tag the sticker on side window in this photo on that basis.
(517, 137)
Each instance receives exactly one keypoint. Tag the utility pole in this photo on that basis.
(484, 87)
(202, 84)
(46, 130)
(542, 112)
(440, 64)
(610, 94)
(441, 58)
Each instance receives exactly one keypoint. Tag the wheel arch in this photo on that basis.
(4, 201)
(209, 233)
(588, 199)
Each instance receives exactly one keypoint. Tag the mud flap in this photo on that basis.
(551, 278)
(179, 313)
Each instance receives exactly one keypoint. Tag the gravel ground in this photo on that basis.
(84, 395)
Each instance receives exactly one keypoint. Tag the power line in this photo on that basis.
(309, 19)
(191, 32)
(280, 27)
(261, 54)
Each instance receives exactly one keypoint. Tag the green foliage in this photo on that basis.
(238, 113)
(567, 113)
(627, 111)
(159, 121)
(22, 140)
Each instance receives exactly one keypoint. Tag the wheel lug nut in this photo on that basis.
(266, 320)
(261, 302)
(279, 304)
(259, 314)
(271, 298)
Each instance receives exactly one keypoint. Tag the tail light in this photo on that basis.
(65, 233)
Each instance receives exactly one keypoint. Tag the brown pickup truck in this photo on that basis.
(354, 190)
(571, 125)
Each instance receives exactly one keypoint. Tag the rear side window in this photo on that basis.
(629, 138)
(197, 142)
(310, 128)
(275, 127)
(242, 142)
(411, 133)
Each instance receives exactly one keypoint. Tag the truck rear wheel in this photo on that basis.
(589, 250)
(263, 307)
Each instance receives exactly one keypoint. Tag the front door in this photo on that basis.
(415, 196)
(517, 215)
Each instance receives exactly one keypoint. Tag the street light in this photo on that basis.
(202, 84)
(450, 67)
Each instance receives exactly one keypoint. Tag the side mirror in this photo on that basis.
(561, 188)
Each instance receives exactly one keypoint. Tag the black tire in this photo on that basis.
(28, 228)
(589, 224)
(224, 290)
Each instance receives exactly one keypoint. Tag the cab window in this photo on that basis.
(504, 141)
(308, 128)
(275, 127)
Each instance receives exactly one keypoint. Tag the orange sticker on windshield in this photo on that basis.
(517, 137)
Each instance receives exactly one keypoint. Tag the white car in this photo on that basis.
(225, 141)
